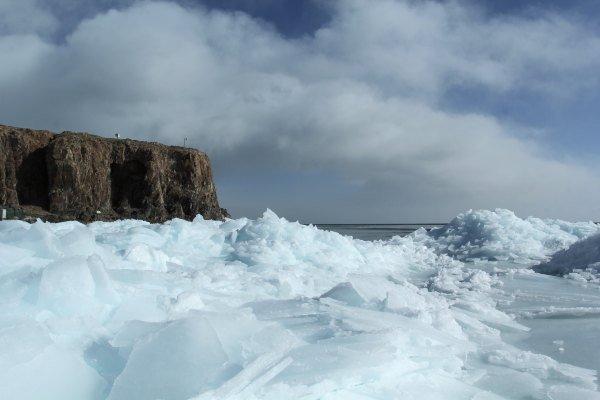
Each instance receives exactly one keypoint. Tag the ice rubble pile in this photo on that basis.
(245, 309)
(500, 235)
(580, 261)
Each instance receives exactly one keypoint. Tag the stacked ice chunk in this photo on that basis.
(263, 309)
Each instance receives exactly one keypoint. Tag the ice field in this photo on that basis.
(271, 309)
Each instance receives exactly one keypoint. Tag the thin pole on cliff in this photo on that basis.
(184, 141)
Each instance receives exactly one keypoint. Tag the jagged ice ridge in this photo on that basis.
(270, 309)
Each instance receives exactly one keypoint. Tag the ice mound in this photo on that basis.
(500, 235)
(582, 259)
(256, 309)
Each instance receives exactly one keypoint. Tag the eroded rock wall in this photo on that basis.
(86, 177)
(23, 166)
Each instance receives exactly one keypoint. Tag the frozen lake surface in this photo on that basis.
(563, 314)
(271, 309)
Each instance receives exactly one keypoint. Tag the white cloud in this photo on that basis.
(359, 99)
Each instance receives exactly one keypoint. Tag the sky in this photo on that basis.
(325, 111)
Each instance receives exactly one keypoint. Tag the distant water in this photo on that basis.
(375, 231)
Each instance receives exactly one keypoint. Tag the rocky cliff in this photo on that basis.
(80, 176)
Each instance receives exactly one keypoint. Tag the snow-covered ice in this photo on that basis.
(271, 309)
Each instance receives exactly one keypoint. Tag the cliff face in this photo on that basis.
(86, 177)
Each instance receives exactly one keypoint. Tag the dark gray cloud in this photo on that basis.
(344, 124)
(291, 18)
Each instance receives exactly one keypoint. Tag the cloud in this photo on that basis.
(359, 101)
(25, 17)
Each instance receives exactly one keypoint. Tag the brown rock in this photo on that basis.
(86, 177)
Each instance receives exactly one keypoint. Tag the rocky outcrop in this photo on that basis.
(85, 177)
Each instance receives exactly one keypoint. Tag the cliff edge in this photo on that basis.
(79, 176)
